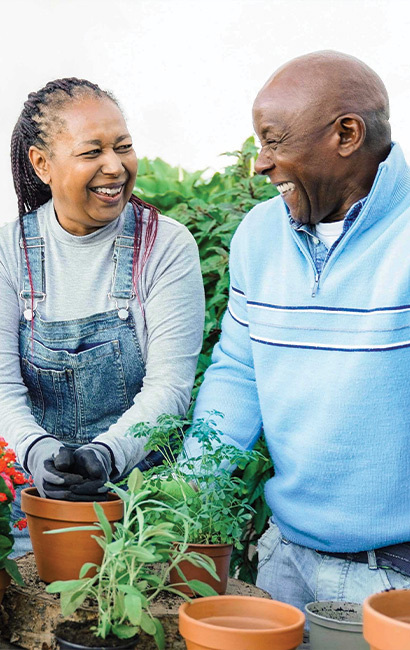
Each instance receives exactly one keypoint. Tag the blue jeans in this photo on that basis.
(298, 575)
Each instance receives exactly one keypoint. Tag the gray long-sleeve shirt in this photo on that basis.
(78, 275)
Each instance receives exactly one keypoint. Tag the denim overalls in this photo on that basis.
(81, 374)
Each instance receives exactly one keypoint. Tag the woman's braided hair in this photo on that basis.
(40, 121)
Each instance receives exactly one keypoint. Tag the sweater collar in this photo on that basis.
(390, 186)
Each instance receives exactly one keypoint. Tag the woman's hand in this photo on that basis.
(52, 467)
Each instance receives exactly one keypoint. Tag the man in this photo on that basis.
(315, 344)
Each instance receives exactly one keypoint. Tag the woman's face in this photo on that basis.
(91, 166)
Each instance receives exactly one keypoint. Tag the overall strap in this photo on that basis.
(35, 257)
(123, 255)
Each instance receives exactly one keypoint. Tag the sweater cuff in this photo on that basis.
(31, 445)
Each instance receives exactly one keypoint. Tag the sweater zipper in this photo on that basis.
(316, 274)
(315, 287)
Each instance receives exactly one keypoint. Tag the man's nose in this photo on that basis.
(264, 161)
(112, 163)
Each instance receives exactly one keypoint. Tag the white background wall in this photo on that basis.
(186, 71)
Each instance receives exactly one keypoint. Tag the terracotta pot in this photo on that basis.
(4, 582)
(61, 556)
(240, 623)
(221, 555)
(386, 620)
(335, 624)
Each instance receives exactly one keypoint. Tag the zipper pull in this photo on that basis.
(316, 285)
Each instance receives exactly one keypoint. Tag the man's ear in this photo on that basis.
(39, 160)
(351, 133)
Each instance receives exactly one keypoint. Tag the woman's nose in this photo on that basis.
(112, 163)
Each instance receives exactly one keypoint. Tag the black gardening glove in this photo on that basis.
(52, 467)
(93, 462)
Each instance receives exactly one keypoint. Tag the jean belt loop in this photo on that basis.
(372, 560)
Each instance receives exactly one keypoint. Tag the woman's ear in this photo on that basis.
(351, 132)
(39, 160)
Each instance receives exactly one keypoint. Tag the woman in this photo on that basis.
(101, 309)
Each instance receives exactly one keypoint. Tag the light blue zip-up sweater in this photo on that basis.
(328, 377)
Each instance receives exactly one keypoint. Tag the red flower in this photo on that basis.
(9, 484)
(3, 497)
(18, 478)
(9, 456)
(20, 524)
(3, 443)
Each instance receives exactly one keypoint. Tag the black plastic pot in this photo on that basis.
(128, 644)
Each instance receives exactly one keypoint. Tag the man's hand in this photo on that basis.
(52, 467)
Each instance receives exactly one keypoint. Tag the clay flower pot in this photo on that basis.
(336, 625)
(61, 556)
(221, 555)
(4, 582)
(386, 620)
(240, 623)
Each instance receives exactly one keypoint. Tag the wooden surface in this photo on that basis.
(29, 615)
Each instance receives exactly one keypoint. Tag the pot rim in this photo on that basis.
(36, 506)
(369, 610)
(321, 619)
(275, 631)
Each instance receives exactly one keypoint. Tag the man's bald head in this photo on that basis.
(323, 123)
(332, 84)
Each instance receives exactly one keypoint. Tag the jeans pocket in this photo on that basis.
(394, 579)
(267, 544)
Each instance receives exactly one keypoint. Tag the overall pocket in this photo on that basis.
(76, 396)
(51, 398)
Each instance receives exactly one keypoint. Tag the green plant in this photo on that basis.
(10, 478)
(126, 583)
(212, 208)
(201, 487)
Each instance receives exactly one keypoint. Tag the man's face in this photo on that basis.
(300, 153)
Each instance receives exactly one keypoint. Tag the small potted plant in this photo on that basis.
(126, 582)
(203, 488)
(10, 478)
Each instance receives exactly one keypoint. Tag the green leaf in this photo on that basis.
(201, 588)
(72, 529)
(147, 624)
(12, 569)
(133, 608)
(159, 635)
(62, 586)
(115, 547)
(69, 603)
(124, 631)
(86, 567)
(104, 523)
(135, 480)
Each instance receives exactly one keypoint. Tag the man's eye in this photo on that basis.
(124, 147)
(92, 152)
